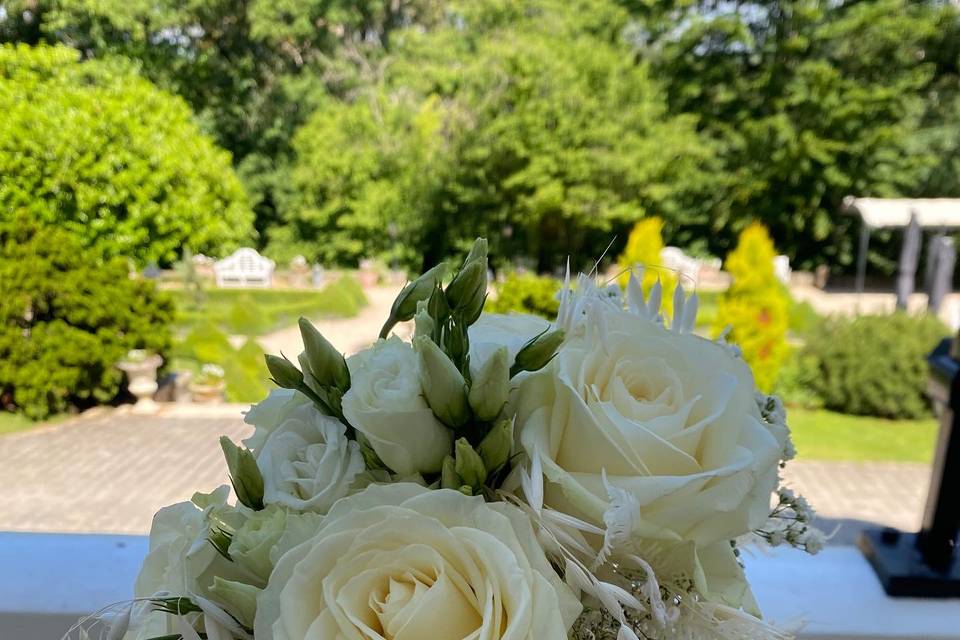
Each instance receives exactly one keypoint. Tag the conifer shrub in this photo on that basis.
(67, 317)
(756, 306)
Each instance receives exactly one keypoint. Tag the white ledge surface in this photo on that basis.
(48, 581)
(835, 595)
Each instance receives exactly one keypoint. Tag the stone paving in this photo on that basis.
(109, 471)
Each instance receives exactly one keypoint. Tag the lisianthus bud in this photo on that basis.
(244, 474)
(405, 305)
(478, 252)
(326, 364)
(239, 599)
(468, 286)
(442, 384)
(423, 324)
(495, 447)
(490, 387)
(469, 465)
(437, 305)
(284, 373)
(537, 352)
(448, 476)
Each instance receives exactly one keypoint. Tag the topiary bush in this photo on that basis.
(874, 365)
(93, 148)
(66, 318)
(756, 306)
(527, 293)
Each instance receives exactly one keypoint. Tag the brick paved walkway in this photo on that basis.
(112, 471)
(109, 472)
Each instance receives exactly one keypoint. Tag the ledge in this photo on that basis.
(835, 595)
(49, 581)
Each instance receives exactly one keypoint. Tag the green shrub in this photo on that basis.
(797, 384)
(259, 311)
(66, 318)
(874, 365)
(527, 293)
(803, 319)
(246, 374)
(756, 306)
(244, 370)
(93, 148)
(246, 319)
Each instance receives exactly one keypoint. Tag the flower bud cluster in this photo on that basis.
(790, 523)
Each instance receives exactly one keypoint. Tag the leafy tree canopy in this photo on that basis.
(513, 121)
(100, 152)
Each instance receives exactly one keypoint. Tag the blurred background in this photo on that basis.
(180, 180)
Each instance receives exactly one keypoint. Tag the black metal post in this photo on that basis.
(926, 564)
(862, 256)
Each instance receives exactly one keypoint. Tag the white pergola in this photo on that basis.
(881, 213)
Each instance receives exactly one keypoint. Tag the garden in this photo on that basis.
(595, 132)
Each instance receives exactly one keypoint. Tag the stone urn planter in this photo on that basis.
(209, 387)
(141, 368)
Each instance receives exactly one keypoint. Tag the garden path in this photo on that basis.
(110, 470)
(349, 335)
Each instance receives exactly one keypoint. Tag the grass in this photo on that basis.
(825, 435)
(254, 312)
(13, 422)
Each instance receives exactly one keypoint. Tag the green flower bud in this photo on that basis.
(469, 286)
(405, 305)
(469, 465)
(327, 365)
(478, 251)
(285, 374)
(442, 384)
(491, 386)
(495, 448)
(244, 474)
(437, 306)
(455, 341)
(423, 323)
(237, 598)
(448, 476)
(537, 352)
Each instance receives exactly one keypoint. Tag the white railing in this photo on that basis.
(48, 581)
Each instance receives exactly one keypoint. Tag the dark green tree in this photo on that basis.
(66, 318)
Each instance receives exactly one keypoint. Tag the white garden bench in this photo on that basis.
(244, 268)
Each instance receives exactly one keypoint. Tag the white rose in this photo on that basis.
(401, 562)
(493, 330)
(385, 404)
(266, 415)
(307, 462)
(672, 421)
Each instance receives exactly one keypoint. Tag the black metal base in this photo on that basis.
(901, 569)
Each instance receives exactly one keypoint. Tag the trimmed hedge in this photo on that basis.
(874, 365)
(527, 293)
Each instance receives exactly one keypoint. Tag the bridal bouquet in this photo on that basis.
(496, 478)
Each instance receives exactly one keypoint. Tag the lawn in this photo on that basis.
(254, 312)
(825, 435)
(12, 422)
